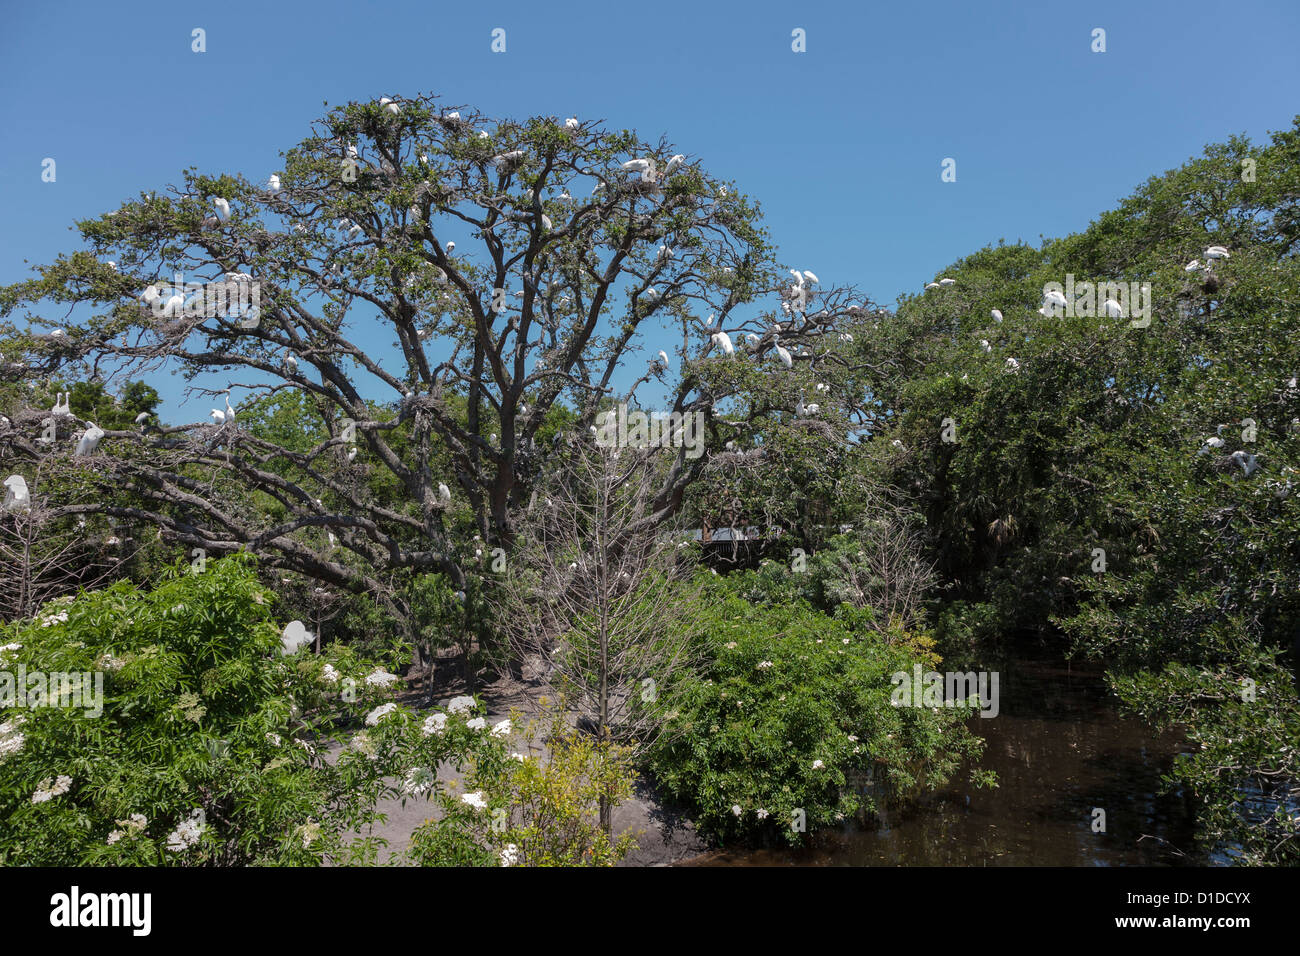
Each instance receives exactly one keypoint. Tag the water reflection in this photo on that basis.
(1060, 749)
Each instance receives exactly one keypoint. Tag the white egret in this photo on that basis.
(810, 277)
(451, 247)
(218, 416)
(17, 497)
(273, 183)
(898, 444)
(1210, 443)
(354, 232)
(1192, 266)
(932, 285)
(984, 344)
(293, 638)
(947, 281)
(997, 315)
(290, 362)
(61, 407)
(546, 222)
(142, 418)
(781, 353)
(752, 339)
(663, 357)
(444, 493)
(88, 444)
(453, 115)
(674, 163)
(571, 123)
(1013, 365)
(150, 295)
(223, 208)
(1052, 297)
(352, 453)
(58, 334)
(1217, 252)
(1113, 309)
(389, 105)
(723, 341)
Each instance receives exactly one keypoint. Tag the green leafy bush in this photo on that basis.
(794, 715)
(209, 749)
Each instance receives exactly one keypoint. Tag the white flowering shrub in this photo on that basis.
(530, 797)
(210, 748)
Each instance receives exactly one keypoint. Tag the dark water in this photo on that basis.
(1060, 748)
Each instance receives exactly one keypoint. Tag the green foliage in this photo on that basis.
(205, 730)
(794, 714)
(539, 805)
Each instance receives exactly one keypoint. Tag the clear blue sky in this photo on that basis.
(842, 144)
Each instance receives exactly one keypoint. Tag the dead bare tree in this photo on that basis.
(597, 599)
(888, 573)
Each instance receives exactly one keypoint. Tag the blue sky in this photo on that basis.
(842, 145)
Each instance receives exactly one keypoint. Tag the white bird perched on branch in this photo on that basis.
(997, 315)
(444, 493)
(946, 281)
(571, 123)
(290, 361)
(932, 285)
(222, 207)
(1210, 443)
(61, 407)
(984, 344)
(674, 163)
(1192, 266)
(17, 497)
(663, 357)
(273, 183)
(1217, 252)
(1052, 297)
(389, 105)
(88, 444)
(142, 418)
(352, 453)
(781, 352)
(1013, 365)
(723, 341)
(1113, 309)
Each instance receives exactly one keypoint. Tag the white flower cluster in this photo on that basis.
(478, 723)
(434, 724)
(9, 648)
(474, 799)
(131, 827)
(509, 855)
(502, 729)
(329, 675)
(380, 678)
(60, 618)
(459, 704)
(418, 782)
(11, 741)
(48, 790)
(187, 833)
